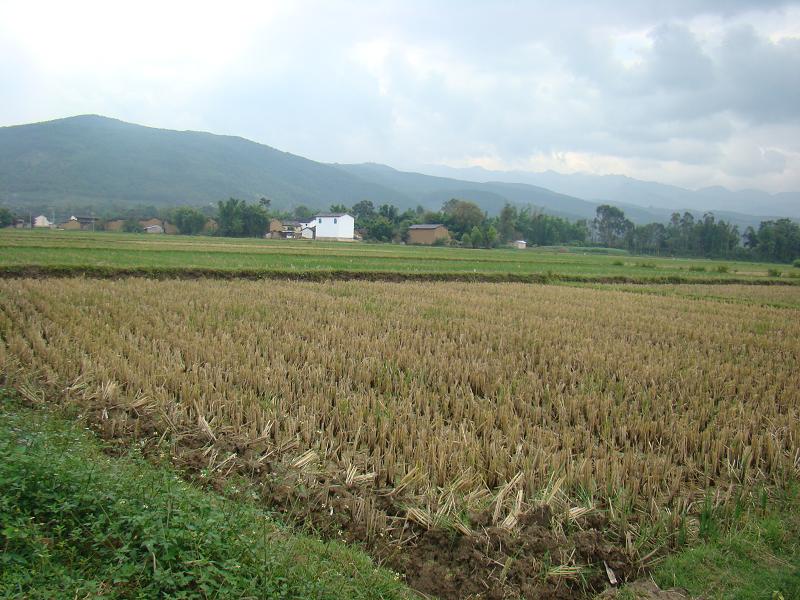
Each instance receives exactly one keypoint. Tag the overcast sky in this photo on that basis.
(690, 93)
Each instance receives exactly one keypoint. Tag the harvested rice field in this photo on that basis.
(483, 439)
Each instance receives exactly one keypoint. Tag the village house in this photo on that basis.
(286, 230)
(331, 226)
(42, 221)
(77, 223)
(115, 225)
(156, 225)
(427, 234)
(520, 244)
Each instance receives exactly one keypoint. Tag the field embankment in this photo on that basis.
(487, 439)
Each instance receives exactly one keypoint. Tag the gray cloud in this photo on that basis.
(693, 93)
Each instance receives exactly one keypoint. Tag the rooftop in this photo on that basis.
(426, 226)
(330, 215)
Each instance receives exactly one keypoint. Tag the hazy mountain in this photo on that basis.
(430, 190)
(106, 164)
(96, 160)
(619, 189)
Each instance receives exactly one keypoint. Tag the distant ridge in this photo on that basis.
(645, 194)
(106, 164)
(94, 159)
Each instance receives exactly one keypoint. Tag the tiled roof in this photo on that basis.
(426, 226)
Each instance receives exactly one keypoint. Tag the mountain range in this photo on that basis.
(646, 194)
(106, 164)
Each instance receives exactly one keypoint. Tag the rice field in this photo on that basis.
(387, 412)
(80, 250)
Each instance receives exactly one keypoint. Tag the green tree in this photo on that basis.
(778, 240)
(462, 216)
(364, 210)
(303, 213)
(236, 218)
(6, 218)
(189, 221)
(389, 212)
(491, 237)
(380, 229)
(506, 224)
(611, 226)
(230, 222)
(255, 219)
(477, 237)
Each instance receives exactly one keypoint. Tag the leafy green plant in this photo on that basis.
(76, 524)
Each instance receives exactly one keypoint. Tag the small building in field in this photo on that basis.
(42, 221)
(333, 226)
(427, 233)
(145, 223)
(275, 229)
(520, 244)
(285, 230)
(115, 225)
(156, 225)
(78, 223)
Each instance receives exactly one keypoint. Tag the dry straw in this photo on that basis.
(492, 395)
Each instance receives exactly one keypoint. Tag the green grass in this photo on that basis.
(75, 250)
(754, 555)
(75, 523)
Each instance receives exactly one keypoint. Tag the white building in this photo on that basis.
(520, 244)
(154, 229)
(42, 221)
(333, 226)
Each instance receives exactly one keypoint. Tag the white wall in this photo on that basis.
(335, 227)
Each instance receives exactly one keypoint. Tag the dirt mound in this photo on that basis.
(646, 590)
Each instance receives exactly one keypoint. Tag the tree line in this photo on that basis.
(684, 235)
(469, 226)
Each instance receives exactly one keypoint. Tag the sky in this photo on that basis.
(692, 93)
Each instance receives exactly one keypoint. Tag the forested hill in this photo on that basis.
(96, 160)
(100, 162)
(90, 161)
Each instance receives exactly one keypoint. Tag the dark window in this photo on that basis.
(334, 221)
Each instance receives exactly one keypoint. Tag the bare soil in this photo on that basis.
(489, 563)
